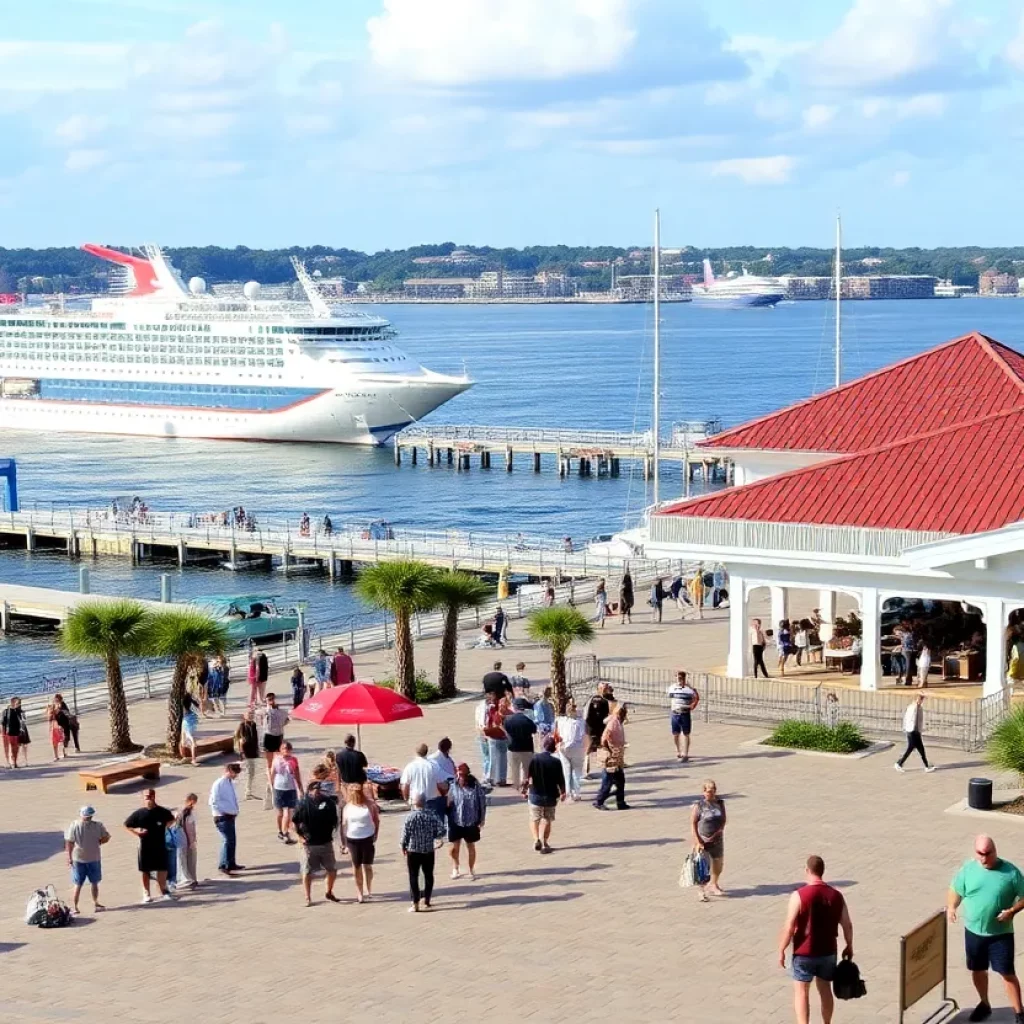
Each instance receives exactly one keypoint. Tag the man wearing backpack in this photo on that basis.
(815, 914)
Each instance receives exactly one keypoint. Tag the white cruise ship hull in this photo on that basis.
(368, 414)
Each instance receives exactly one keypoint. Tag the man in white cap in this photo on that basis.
(82, 841)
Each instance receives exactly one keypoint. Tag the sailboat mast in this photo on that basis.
(656, 412)
(839, 300)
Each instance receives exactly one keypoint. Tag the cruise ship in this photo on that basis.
(736, 292)
(160, 358)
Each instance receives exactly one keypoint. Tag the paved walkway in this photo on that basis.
(598, 931)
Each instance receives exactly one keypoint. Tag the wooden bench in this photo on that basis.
(216, 745)
(101, 778)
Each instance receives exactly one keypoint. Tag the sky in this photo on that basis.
(375, 124)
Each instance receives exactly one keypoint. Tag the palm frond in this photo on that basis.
(1005, 749)
(100, 628)
(400, 587)
(459, 590)
(559, 628)
(181, 632)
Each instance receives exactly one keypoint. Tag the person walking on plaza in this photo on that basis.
(224, 805)
(696, 591)
(545, 788)
(420, 832)
(520, 728)
(601, 603)
(343, 669)
(316, 819)
(56, 729)
(613, 739)
(259, 673)
(707, 824)
(497, 682)
(497, 740)
(520, 683)
(149, 823)
(683, 701)
(544, 712)
(598, 710)
(360, 826)
(298, 685)
(480, 716)
(500, 626)
(352, 763)
(989, 892)
(217, 686)
(82, 841)
(467, 809)
(188, 853)
(421, 777)
(285, 779)
(626, 599)
(68, 722)
(322, 669)
(247, 744)
(757, 646)
(913, 724)
(273, 720)
(571, 737)
(12, 724)
(445, 767)
(815, 913)
(189, 725)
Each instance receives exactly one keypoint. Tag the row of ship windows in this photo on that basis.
(121, 342)
(29, 369)
(201, 328)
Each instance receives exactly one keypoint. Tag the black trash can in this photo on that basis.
(979, 794)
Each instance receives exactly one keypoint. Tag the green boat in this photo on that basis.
(252, 616)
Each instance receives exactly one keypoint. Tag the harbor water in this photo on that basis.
(585, 366)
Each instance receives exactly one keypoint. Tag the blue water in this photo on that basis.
(535, 365)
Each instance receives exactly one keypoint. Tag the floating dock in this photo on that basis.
(40, 604)
(589, 452)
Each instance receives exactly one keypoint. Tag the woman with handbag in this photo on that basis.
(12, 725)
(68, 722)
(57, 734)
(707, 824)
(497, 741)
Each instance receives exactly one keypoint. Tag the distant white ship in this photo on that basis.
(162, 359)
(736, 292)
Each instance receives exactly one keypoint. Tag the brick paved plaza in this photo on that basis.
(597, 931)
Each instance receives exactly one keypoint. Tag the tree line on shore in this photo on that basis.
(111, 630)
(70, 269)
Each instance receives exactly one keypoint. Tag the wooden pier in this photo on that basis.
(589, 452)
(188, 538)
(40, 604)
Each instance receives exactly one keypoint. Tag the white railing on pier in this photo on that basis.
(682, 435)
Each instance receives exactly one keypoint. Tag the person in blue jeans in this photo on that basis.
(224, 805)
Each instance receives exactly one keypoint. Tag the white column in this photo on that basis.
(736, 664)
(827, 605)
(871, 666)
(995, 647)
(779, 605)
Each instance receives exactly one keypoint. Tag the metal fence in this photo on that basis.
(948, 721)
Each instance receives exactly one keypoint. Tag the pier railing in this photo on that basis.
(966, 724)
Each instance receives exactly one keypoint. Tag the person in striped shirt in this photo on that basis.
(683, 700)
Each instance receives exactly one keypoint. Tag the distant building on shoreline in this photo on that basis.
(992, 282)
(868, 286)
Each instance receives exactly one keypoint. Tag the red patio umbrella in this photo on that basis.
(359, 703)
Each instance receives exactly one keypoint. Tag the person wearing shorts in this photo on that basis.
(360, 824)
(273, 719)
(814, 916)
(316, 819)
(286, 783)
(82, 841)
(989, 892)
(683, 701)
(546, 787)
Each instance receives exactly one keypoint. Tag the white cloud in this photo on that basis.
(818, 115)
(899, 179)
(80, 160)
(56, 67)
(925, 105)
(756, 170)
(78, 128)
(1015, 48)
(456, 42)
(883, 41)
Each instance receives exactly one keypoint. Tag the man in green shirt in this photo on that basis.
(990, 892)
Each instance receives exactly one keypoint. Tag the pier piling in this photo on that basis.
(414, 452)
(536, 462)
(508, 459)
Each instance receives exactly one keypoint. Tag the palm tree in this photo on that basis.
(454, 591)
(402, 587)
(109, 630)
(559, 628)
(189, 636)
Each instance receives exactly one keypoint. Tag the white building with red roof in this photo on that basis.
(907, 483)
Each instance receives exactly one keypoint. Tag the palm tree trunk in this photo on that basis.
(561, 691)
(405, 668)
(174, 702)
(120, 732)
(449, 653)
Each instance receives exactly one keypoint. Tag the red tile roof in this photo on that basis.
(961, 479)
(953, 383)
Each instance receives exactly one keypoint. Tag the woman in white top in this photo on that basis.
(601, 601)
(801, 641)
(360, 823)
(286, 783)
(571, 732)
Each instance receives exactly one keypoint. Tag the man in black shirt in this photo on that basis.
(546, 789)
(497, 682)
(521, 729)
(150, 823)
(595, 717)
(315, 820)
(351, 763)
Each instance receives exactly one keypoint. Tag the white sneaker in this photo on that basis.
(455, 872)
(167, 898)
(147, 898)
(900, 768)
(472, 877)
(931, 768)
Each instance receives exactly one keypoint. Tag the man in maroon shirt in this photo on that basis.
(816, 913)
(343, 671)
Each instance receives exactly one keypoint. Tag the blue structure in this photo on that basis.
(9, 479)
